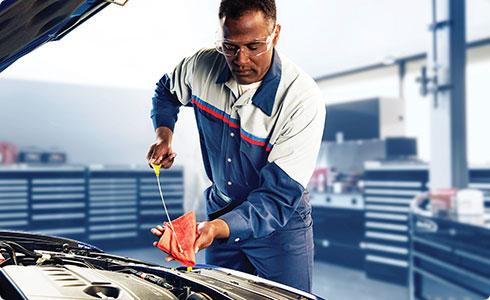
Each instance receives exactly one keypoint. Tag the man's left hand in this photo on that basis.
(207, 232)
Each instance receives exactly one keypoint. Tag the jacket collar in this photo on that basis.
(265, 95)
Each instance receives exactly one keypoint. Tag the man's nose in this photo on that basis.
(241, 57)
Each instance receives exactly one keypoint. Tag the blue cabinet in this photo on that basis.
(112, 207)
(338, 228)
(389, 188)
(449, 260)
(388, 192)
(14, 201)
(104, 206)
(58, 202)
(47, 200)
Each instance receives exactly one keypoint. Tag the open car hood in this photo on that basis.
(27, 24)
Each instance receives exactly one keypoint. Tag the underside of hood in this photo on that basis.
(27, 24)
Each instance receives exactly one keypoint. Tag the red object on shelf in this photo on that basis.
(186, 231)
(442, 200)
(8, 153)
(318, 181)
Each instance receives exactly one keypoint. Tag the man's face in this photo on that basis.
(249, 32)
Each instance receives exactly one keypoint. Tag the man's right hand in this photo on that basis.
(160, 153)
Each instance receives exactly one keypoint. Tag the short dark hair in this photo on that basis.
(236, 8)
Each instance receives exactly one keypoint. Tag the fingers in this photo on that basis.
(158, 230)
(160, 153)
(152, 154)
(149, 155)
(203, 241)
(199, 230)
(156, 158)
(168, 161)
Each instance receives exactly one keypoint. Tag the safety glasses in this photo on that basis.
(253, 48)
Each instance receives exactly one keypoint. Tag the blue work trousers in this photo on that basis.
(284, 256)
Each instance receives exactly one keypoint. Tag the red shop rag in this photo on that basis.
(185, 229)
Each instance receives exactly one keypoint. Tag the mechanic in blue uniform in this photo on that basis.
(260, 119)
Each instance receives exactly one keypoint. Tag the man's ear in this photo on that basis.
(276, 35)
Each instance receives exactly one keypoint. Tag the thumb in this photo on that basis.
(200, 241)
(198, 244)
(200, 227)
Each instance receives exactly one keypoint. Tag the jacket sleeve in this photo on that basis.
(283, 179)
(173, 90)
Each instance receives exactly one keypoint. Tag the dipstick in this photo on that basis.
(156, 168)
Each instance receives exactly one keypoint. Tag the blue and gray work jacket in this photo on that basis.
(259, 148)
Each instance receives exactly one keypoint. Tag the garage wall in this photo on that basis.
(94, 125)
(384, 83)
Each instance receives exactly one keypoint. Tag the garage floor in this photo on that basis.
(329, 281)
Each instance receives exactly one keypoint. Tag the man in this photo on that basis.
(260, 121)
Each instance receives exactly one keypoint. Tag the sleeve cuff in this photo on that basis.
(239, 227)
(162, 121)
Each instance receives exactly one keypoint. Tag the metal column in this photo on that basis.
(447, 62)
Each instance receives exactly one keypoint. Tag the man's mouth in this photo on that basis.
(242, 72)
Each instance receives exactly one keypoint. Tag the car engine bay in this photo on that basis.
(42, 267)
